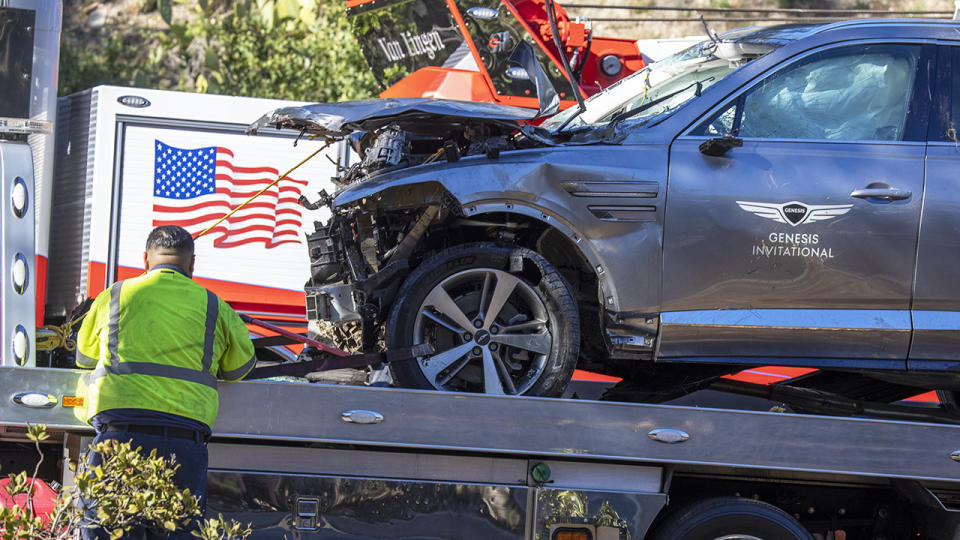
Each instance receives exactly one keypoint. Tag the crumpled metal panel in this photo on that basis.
(617, 229)
(417, 115)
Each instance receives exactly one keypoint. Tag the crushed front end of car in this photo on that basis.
(361, 255)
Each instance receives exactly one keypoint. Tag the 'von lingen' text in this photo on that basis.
(428, 43)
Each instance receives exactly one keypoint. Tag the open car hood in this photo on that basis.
(421, 116)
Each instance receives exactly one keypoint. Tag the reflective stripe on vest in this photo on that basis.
(116, 367)
(85, 361)
(113, 323)
(213, 312)
(235, 374)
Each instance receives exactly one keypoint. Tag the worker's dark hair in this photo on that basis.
(170, 237)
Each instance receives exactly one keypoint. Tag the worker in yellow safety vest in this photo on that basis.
(158, 343)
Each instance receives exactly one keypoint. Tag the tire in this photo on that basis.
(730, 518)
(528, 347)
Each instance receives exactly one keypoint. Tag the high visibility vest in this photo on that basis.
(159, 342)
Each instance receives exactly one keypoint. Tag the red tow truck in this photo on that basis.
(459, 49)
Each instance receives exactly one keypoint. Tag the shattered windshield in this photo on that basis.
(663, 86)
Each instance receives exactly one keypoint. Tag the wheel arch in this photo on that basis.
(579, 260)
(421, 194)
(589, 261)
(489, 197)
(411, 193)
(567, 250)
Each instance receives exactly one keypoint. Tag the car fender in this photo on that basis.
(608, 199)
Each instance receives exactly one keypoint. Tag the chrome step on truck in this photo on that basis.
(321, 461)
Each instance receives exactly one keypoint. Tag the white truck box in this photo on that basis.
(110, 144)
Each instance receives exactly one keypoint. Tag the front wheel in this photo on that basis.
(501, 319)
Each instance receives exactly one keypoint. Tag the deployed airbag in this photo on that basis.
(856, 97)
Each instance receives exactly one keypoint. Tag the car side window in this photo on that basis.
(722, 123)
(859, 92)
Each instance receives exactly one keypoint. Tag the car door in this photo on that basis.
(801, 243)
(936, 304)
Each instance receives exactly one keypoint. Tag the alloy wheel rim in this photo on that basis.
(491, 331)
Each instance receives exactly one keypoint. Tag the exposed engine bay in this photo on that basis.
(359, 258)
(390, 147)
(391, 134)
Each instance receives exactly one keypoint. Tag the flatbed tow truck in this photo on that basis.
(321, 461)
(325, 461)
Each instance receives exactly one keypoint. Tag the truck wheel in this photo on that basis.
(502, 320)
(731, 518)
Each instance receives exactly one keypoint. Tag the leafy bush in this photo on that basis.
(113, 63)
(286, 49)
(128, 490)
(292, 50)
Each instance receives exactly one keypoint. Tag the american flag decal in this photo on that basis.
(196, 187)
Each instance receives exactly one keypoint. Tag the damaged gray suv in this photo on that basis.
(772, 196)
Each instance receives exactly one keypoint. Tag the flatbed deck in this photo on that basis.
(547, 428)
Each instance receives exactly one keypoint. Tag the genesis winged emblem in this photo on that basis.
(794, 212)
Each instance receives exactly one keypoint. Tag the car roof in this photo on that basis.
(785, 33)
(889, 23)
(780, 34)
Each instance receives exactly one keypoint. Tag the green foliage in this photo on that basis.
(37, 433)
(16, 523)
(166, 10)
(128, 490)
(219, 529)
(283, 49)
(288, 49)
(131, 490)
(118, 61)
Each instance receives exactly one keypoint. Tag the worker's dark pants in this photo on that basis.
(191, 455)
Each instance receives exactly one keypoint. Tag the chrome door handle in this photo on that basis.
(360, 416)
(889, 194)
